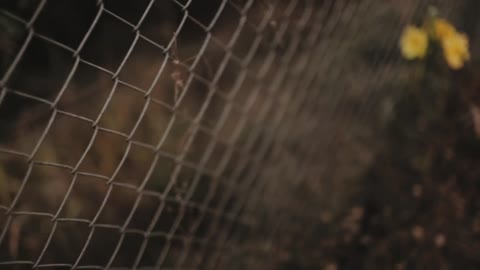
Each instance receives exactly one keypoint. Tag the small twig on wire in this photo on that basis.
(177, 75)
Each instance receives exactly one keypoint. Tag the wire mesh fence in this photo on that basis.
(186, 134)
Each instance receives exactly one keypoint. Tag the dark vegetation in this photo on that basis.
(409, 201)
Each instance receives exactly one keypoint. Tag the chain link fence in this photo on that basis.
(188, 134)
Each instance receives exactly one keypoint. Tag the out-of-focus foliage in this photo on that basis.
(414, 204)
(381, 175)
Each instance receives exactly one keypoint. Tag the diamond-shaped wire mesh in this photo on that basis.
(181, 134)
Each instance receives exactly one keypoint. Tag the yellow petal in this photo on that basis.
(414, 43)
(443, 28)
(455, 50)
(454, 61)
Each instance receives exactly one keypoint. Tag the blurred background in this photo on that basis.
(235, 134)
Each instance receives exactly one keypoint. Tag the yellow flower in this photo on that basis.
(414, 43)
(443, 28)
(455, 50)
